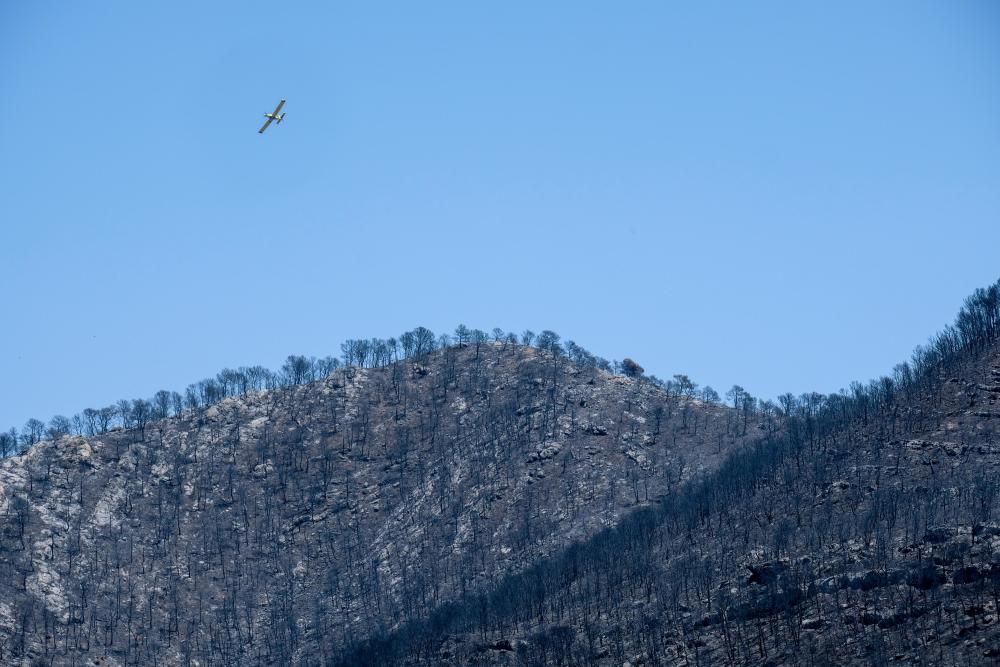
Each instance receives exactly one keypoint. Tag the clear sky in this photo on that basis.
(784, 195)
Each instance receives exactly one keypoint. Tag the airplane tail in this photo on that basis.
(281, 118)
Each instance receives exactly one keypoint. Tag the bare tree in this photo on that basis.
(59, 426)
(142, 410)
(90, 420)
(124, 413)
(478, 339)
(298, 369)
(8, 443)
(461, 335)
(161, 404)
(176, 403)
(33, 431)
(549, 342)
(423, 341)
(105, 418)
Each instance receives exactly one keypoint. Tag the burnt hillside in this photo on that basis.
(283, 526)
(866, 531)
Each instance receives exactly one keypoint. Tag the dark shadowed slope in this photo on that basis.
(281, 527)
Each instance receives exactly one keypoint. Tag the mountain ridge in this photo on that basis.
(388, 488)
(824, 549)
(498, 503)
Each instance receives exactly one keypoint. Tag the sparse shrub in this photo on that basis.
(631, 369)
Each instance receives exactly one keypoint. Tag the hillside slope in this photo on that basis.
(281, 527)
(866, 532)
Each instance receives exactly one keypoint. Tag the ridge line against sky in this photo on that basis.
(784, 197)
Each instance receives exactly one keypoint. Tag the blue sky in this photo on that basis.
(784, 195)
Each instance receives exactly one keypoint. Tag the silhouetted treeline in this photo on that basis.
(975, 327)
(297, 370)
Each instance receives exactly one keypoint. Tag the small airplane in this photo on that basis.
(275, 116)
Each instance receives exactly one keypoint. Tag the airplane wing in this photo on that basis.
(264, 127)
(278, 108)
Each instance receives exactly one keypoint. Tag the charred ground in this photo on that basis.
(498, 503)
(283, 526)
